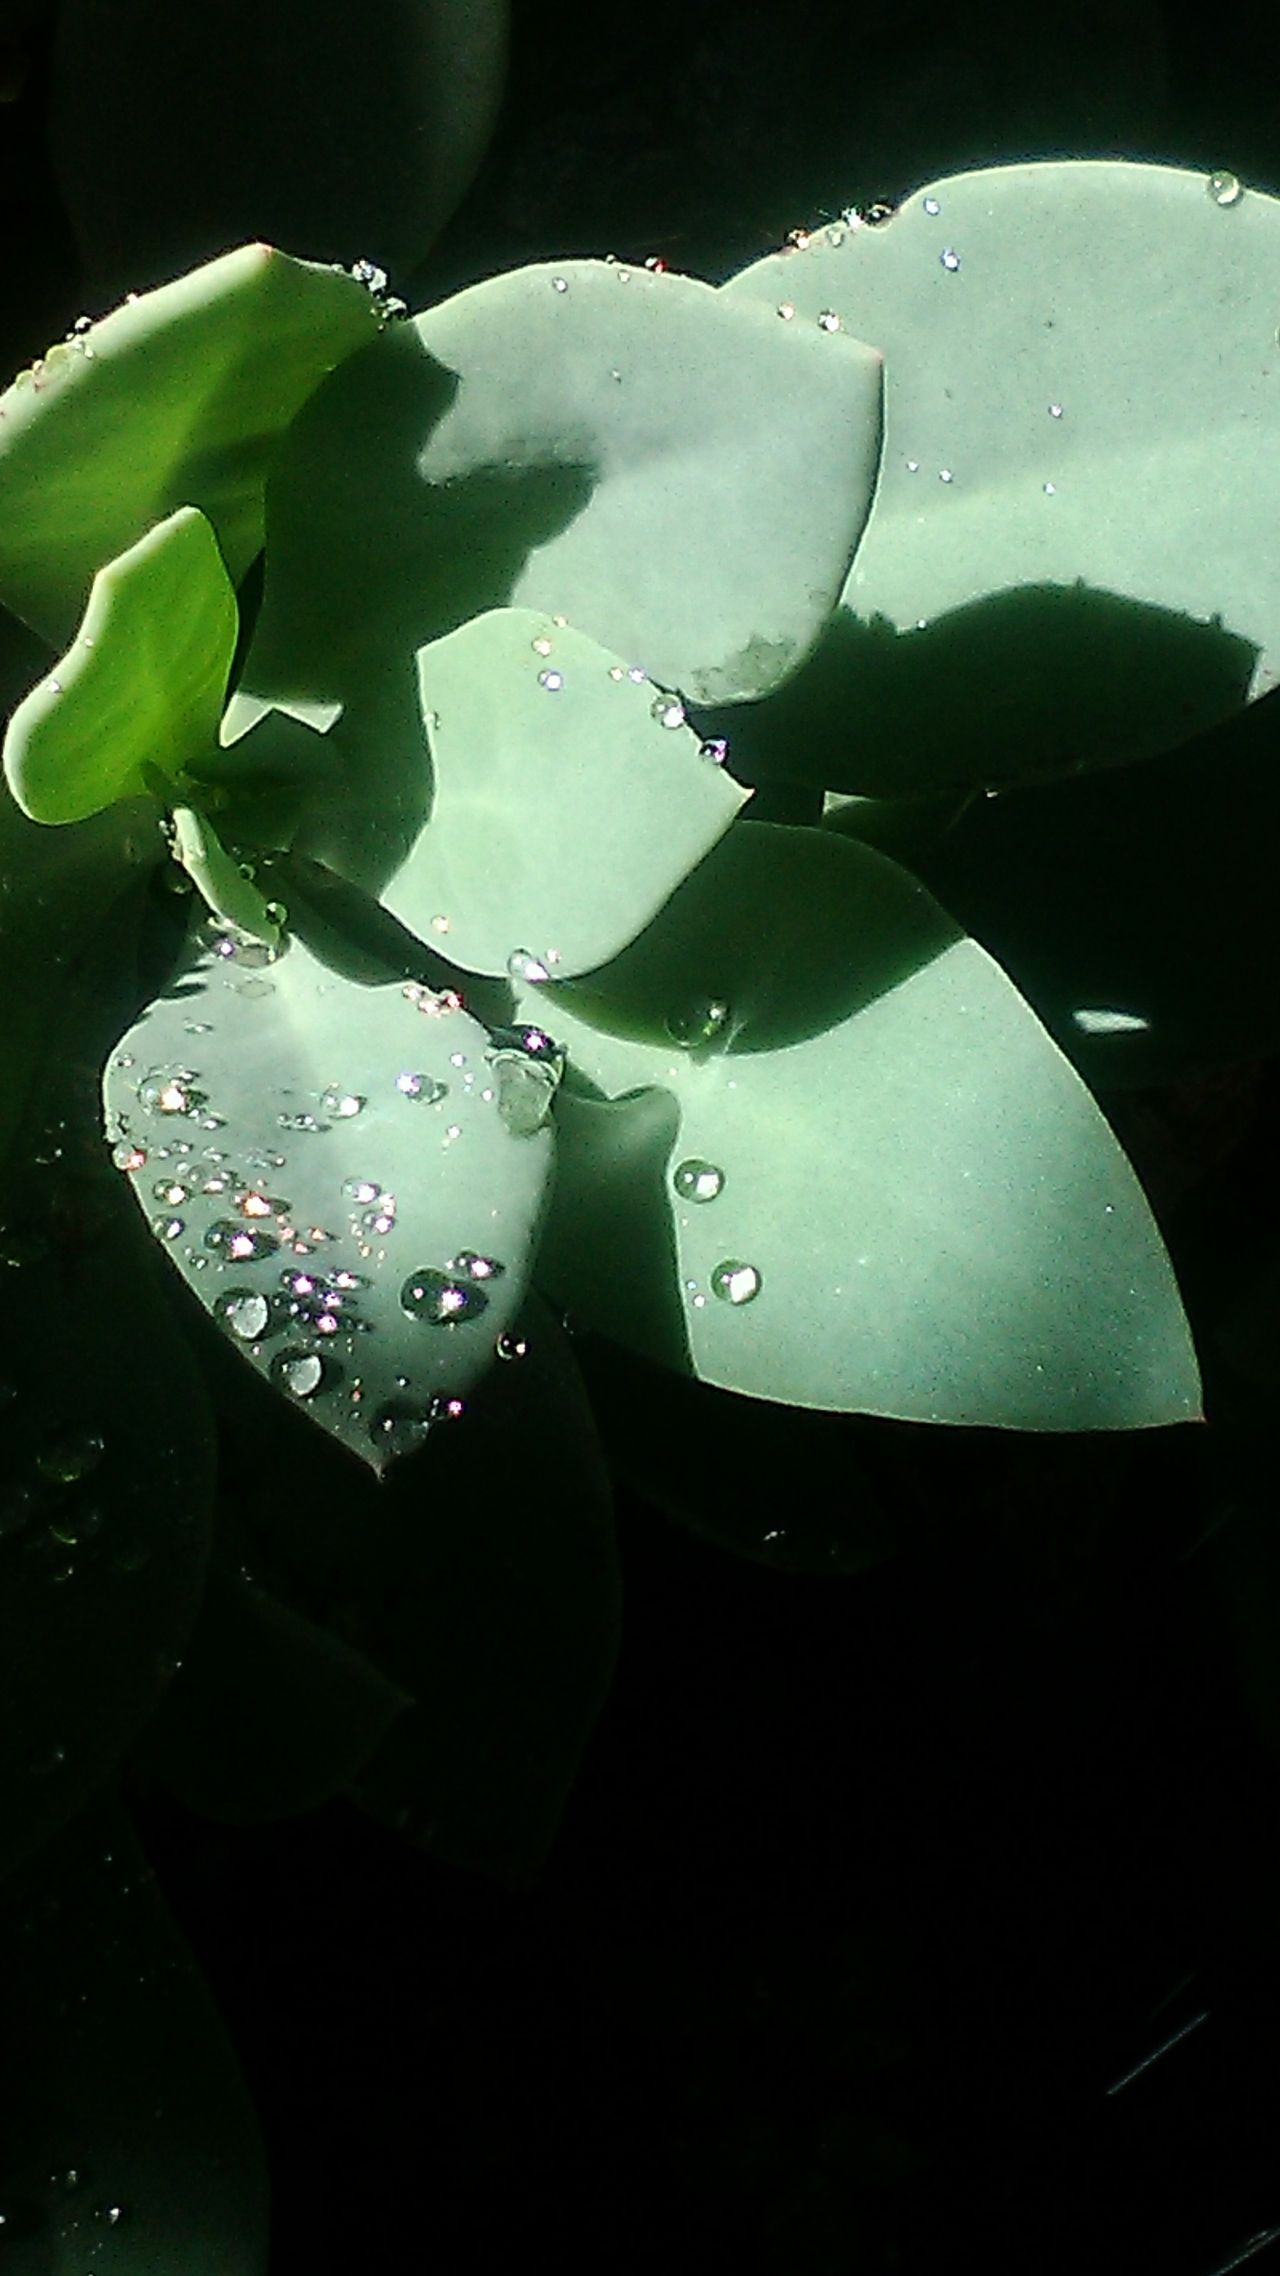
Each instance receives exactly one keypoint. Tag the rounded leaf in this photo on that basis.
(178, 397)
(1069, 560)
(677, 472)
(569, 797)
(887, 1191)
(347, 1178)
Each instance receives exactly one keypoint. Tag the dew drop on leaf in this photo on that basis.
(440, 1298)
(734, 1282)
(950, 259)
(302, 1373)
(341, 1104)
(1224, 188)
(522, 964)
(469, 1264)
(696, 1180)
(698, 1022)
(245, 1312)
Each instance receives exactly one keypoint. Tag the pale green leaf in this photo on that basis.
(678, 473)
(569, 798)
(887, 1190)
(333, 1170)
(1070, 558)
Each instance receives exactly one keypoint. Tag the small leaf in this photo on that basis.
(141, 687)
(682, 476)
(888, 1191)
(221, 882)
(569, 798)
(179, 397)
(129, 2139)
(329, 1168)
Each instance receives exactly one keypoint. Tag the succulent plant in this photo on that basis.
(434, 663)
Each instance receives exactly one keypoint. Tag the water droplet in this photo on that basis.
(696, 1180)
(637, 673)
(469, 1264)
(699, 1022)
(400, 1425)
(239, 1243)
(363, 1190)
(541, 646)
(302, 1373)
(835, 234)
(786, 310)
(668, 711)
(440, 1298)
(168, 1228)
(551, 679)
(1051, 489)
(168, 1189)
(1055, 410)
(715, 750)
(245, 1312)
(913, 466)
(370, 276)
(798, 240)
(949, 258)
(441, 924)
(931, 205)
(127, 1156)
(170, 1090)
(511, 1347)
(342, 1105)
(422, 1089)
(526, 1090)
(734, 1282)
(876, 215)
(70, 1456)
(945, 474)
(828, 321)
(1224, 188)
(559, 284)
(522, 964)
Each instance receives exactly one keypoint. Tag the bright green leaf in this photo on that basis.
(141, 687)
(1070, 558)
(362, 1198)
(128, 2143)
(677, 472)
(179, 397)
(888, 1191)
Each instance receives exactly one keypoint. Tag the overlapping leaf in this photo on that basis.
(346, 1177)
(177, 398)
(569, 798)
(1069, 560)
(676, 472)
(885, 1189)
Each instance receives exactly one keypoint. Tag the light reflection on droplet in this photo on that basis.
(735, 1283)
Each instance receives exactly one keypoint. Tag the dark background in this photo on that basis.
(876, 1885)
